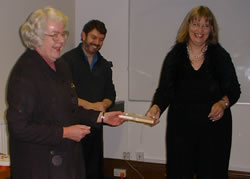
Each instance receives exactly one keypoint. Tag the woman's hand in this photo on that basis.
(217, 111)
(76, 132)
(112, 118)
(154, 112)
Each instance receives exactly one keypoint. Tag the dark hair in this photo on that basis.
(95, 24)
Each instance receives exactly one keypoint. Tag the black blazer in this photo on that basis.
(40, 103)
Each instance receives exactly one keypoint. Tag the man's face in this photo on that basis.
(93, 41)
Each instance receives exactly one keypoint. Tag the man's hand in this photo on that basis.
(97, 106)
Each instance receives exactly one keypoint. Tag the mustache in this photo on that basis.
(95, 45)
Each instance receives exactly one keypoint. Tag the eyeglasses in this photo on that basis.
(56, 35)
(197, 25)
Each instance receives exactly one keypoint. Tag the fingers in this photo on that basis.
(216, 117)
(81, 132)
(99, 106)
(156, 121)
(84, 130)
(115, 113)
(118, 122)
(76, 132)
(84, 127)
(154, 112)
(216, 113)
(112, 118)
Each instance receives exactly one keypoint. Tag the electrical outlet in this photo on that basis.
(139, 156)
(118, 172)
(126, 155)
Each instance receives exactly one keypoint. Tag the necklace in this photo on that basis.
(196, 56)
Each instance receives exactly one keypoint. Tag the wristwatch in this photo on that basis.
(226, 103)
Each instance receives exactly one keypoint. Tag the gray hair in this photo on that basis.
(32, 31)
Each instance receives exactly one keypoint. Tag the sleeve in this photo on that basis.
(84, 116)
(88, 117)
(228, 79)
(110, 92)
(166, 88)
(21, 97)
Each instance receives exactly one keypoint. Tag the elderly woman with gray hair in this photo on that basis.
(44, 120)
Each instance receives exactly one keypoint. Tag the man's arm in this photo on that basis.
(97, 106)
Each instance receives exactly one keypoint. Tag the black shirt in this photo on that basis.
(92, 85)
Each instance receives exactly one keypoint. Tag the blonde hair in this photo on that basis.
(197, 13)
(32, 31)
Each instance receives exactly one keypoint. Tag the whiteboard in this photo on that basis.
(153, 26)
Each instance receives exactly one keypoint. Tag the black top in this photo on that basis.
(180, 84)
(92, 85)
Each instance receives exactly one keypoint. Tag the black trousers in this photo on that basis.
(201, 150)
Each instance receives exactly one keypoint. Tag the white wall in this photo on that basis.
(132, 137)
(165, 18)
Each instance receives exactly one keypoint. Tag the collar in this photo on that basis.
(49, 62)
(94, 61)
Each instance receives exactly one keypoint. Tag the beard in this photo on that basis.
(91, 48)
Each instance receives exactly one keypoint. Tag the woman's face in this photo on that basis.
(199, 30)
(53, 41)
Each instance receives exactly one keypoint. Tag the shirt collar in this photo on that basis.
(95, 59)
